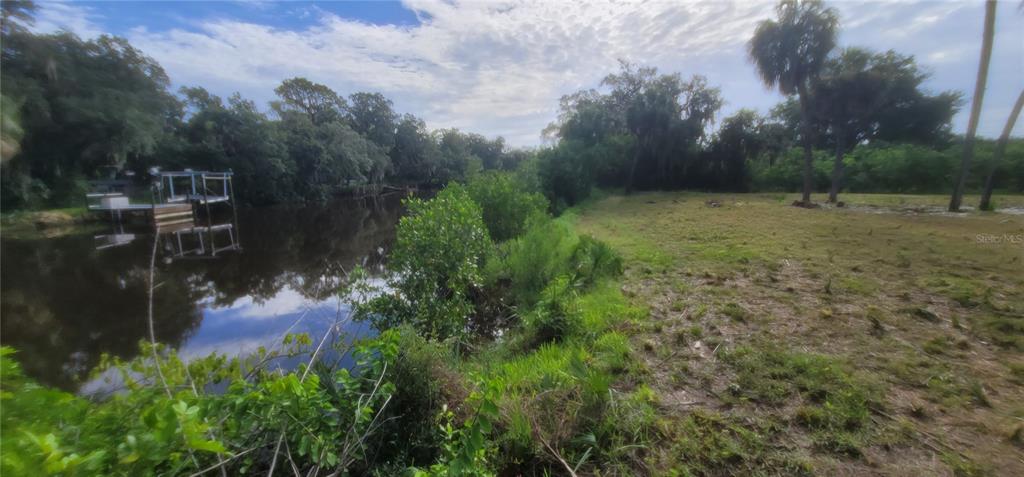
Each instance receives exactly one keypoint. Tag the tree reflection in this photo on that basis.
(65, 303)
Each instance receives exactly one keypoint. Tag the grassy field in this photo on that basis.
(883, 338)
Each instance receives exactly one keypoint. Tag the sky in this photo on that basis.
(500, 67)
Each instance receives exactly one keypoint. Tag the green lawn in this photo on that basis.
(886, 337)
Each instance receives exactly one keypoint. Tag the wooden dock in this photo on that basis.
(168, 215)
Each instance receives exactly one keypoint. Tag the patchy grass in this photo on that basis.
(35, 224)
(885, 337)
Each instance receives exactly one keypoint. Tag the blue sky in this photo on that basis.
(498, 68)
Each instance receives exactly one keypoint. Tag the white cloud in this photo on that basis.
(53, 16)
(498, 68)
(494, 68)
(286, 302)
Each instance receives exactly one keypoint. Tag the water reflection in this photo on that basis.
(64, 302)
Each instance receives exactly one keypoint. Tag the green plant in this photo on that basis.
(426, 387)
(557, 315)
(594, 259)
(507, 207)
(165, 423)
(529, 263)
(435, 263)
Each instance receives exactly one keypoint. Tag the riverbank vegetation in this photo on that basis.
(478, 341)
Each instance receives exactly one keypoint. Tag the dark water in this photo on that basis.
(64, 302)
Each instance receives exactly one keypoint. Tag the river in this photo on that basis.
(65, 301)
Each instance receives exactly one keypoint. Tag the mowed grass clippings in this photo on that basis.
(883, 337)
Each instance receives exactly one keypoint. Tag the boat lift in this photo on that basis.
(174, 196)
(173, 211)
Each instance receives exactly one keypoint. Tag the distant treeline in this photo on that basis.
(78, 109)
(895, 168)
(645, 130)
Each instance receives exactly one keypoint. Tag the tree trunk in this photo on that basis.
(808, 143)
(997, 156)
(979, 96)
(837, 169)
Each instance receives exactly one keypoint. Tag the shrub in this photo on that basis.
(531, 261)
(594, 259)
(506, 205)
(547, 250)
(557, 315)
(322, 417)
(425, 385)
(435, 262)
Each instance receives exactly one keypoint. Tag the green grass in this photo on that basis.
(836, 404)
(560, 391)
(33, 224)
(861, 328)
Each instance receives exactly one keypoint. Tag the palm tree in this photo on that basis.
(789, 54)
(997, 156)
(979, 95)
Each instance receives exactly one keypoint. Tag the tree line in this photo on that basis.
(852, 119)
(79, 109)
(643, 129)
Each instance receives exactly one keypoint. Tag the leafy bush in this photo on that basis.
(506, 205)
(787, 173)
(435, 262)
(902, 168)
(594, 259)
(165, 424)
(557, 315)
(547, 250)
(566, 175)
(894, 168)
(425, 385)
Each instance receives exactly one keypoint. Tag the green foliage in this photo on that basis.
(507, 207)
(436, 262)
(78, 109)
(330, 156)
(557, 315)
(425, 387)
(467, 449)
(235, 137)
(533, 260)
(550, 249)
(883, 167)
(165, 422)
(559, 392)
(594, 259)
(85, 106)
(566, 174)
(415, 155)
